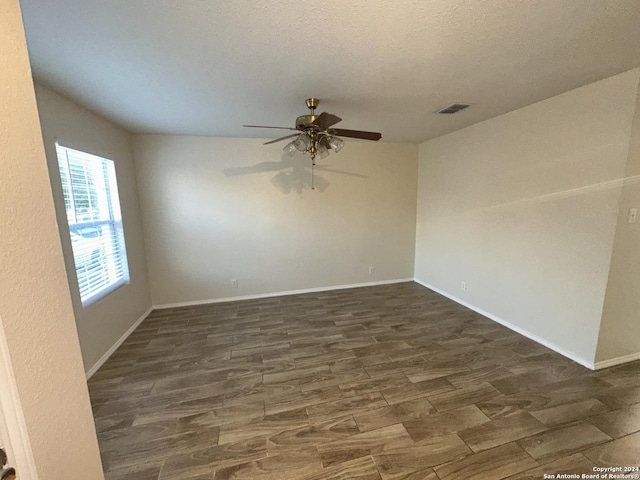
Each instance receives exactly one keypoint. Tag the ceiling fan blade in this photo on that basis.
(282, 138)
(264, 126)
(325, 120)
(341, 132)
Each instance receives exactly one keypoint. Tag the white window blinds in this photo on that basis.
(95, 223)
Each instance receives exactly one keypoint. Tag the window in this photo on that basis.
(93, 212)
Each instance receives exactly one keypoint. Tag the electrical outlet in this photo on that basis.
(234, 283)
(372, 270)
(633, 215)
(463, 285)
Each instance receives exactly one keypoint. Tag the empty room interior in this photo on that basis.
(320, 241)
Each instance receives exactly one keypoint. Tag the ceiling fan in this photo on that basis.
(315, 133)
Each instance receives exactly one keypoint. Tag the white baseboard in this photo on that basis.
(280, 294)
(115, 346)
(612, 362)
(515, 328)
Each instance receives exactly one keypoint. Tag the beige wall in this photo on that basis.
(216, 209)
(523, 209)
(620, 327)
(102, 323)
(35, 307)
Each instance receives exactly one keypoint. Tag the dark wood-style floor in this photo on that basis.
(389, 382)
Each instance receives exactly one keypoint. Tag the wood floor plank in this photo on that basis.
(345, 363)
(473, 377)
(265, 393)
(431, 371)
(312, 435)
(425, 474)
(494, 464)
(295, 375)
(628, 394)
(500, 431)
(395, 367)
(295, 400)
(216, 416)
(330, 379)
(263, 426)
(570, 412)
(563, 441)
(621, 452)
(359, 469)
(618, 423)
(292, 465)
(524, 381)
(375, 385)
(205, 460)
(575, 464)
(444, 423)
(346, 406)
(137, 472)
(583, 386)
(405, 461)
(502, 405)
(396, 413)
(462, 397)
(427, 388)
(364, 444)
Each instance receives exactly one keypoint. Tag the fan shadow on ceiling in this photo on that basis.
(293, 175)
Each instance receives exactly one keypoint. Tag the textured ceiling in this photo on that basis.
(205, 67)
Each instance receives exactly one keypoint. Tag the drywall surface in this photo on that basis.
(620, 326)
(523, 209)
(36, 310)
(218, 209)
(102, 323)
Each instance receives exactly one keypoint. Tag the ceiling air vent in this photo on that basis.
(453, 108)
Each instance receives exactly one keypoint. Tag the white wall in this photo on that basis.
(620, 327)
(102, 323)
(216, 209)
(36, 311)
(523, 209)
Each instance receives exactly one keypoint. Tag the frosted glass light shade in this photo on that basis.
(322, 151)
(301, 142)
(336, 143)
(290, 149)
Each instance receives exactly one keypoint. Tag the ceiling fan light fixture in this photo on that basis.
(301, 142)
(315, 135)
(336, 143)
(290, 148)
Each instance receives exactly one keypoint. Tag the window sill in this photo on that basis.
(96, 297)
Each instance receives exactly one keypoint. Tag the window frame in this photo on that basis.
(112, 258)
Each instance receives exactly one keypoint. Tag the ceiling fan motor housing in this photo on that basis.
(304, 122)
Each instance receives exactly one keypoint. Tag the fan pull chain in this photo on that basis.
(313, 164)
